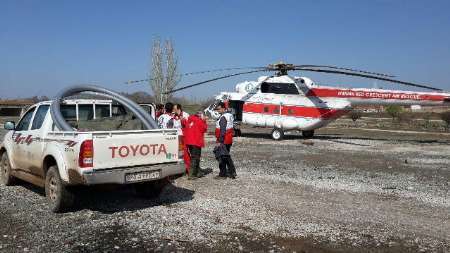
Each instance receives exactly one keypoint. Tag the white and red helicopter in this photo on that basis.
(283, 102)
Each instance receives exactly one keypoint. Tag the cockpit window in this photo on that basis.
(279, 88)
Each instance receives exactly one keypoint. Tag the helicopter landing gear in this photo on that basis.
(308, 134)
(277, 134)
(237, 132)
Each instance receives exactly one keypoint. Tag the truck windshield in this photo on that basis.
(25, 121)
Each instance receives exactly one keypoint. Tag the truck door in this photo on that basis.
(21, 138)
(35, 148)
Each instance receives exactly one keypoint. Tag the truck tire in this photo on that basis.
(277, 134)
(150, 189)
(58, 196)
(308, 134)
(5, 171)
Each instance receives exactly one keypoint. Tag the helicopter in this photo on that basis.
(284, 103)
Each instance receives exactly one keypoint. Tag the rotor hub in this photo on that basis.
(281, 68)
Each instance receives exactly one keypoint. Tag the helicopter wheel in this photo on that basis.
(277, 134)
(308, 134)
(237, 132)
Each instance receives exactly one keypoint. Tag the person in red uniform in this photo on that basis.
(166, 120)
(194, 133)
(224, 140)
(180, 120)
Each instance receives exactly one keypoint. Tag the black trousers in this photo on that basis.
(195, 153)
(226, 164)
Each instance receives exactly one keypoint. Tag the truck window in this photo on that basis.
(69, 112)
(118, 110)
(39, 116)
(85, 112)
(25, 121)
(101, 111)
(147, 108)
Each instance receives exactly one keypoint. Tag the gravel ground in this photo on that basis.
(346, 190)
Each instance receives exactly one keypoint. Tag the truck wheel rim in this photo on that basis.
(52, 188)
(276, 134)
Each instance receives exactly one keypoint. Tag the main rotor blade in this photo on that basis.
(214, 79)
(371, 77)
(219, 70)
(340, 68)
(196, 73)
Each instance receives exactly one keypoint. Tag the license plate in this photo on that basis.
(142, 176)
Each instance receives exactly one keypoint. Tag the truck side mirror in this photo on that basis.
(10, 125)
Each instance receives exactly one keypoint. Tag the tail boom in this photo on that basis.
(382, 97)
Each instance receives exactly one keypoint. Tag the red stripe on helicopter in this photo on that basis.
(347, 93)
(293, 110)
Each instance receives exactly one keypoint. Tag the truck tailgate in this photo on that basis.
(125, 149)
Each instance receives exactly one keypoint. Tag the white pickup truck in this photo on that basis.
(36, 151)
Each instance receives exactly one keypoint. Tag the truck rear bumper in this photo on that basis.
(118, 175)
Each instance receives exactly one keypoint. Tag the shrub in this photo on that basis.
(355, 115)
(394, 111)
(445, 116)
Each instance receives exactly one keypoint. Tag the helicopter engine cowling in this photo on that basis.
(305, 81)
(246, 87)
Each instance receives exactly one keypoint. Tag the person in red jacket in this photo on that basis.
(194, 131)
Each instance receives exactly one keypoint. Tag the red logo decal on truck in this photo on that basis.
(19, 139)
(133, 150)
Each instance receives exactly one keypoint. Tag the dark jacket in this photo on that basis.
(220, 150)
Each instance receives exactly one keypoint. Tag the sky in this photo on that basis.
(48, 45)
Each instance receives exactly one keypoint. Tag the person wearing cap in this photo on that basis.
(194, 133)
(224, 141)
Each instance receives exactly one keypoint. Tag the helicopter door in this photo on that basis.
(236, 107)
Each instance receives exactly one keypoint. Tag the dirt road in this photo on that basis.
(344, 191)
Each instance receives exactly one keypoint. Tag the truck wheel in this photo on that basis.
(5, 171)
(151, 189)
(58, 196)
(308, 134)
(277, 134)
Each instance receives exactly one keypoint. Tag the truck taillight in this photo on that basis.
(86, 157)
(180, 146)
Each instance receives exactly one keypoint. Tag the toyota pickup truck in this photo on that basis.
(36, 151)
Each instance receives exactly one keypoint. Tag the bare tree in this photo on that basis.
(164, 71)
